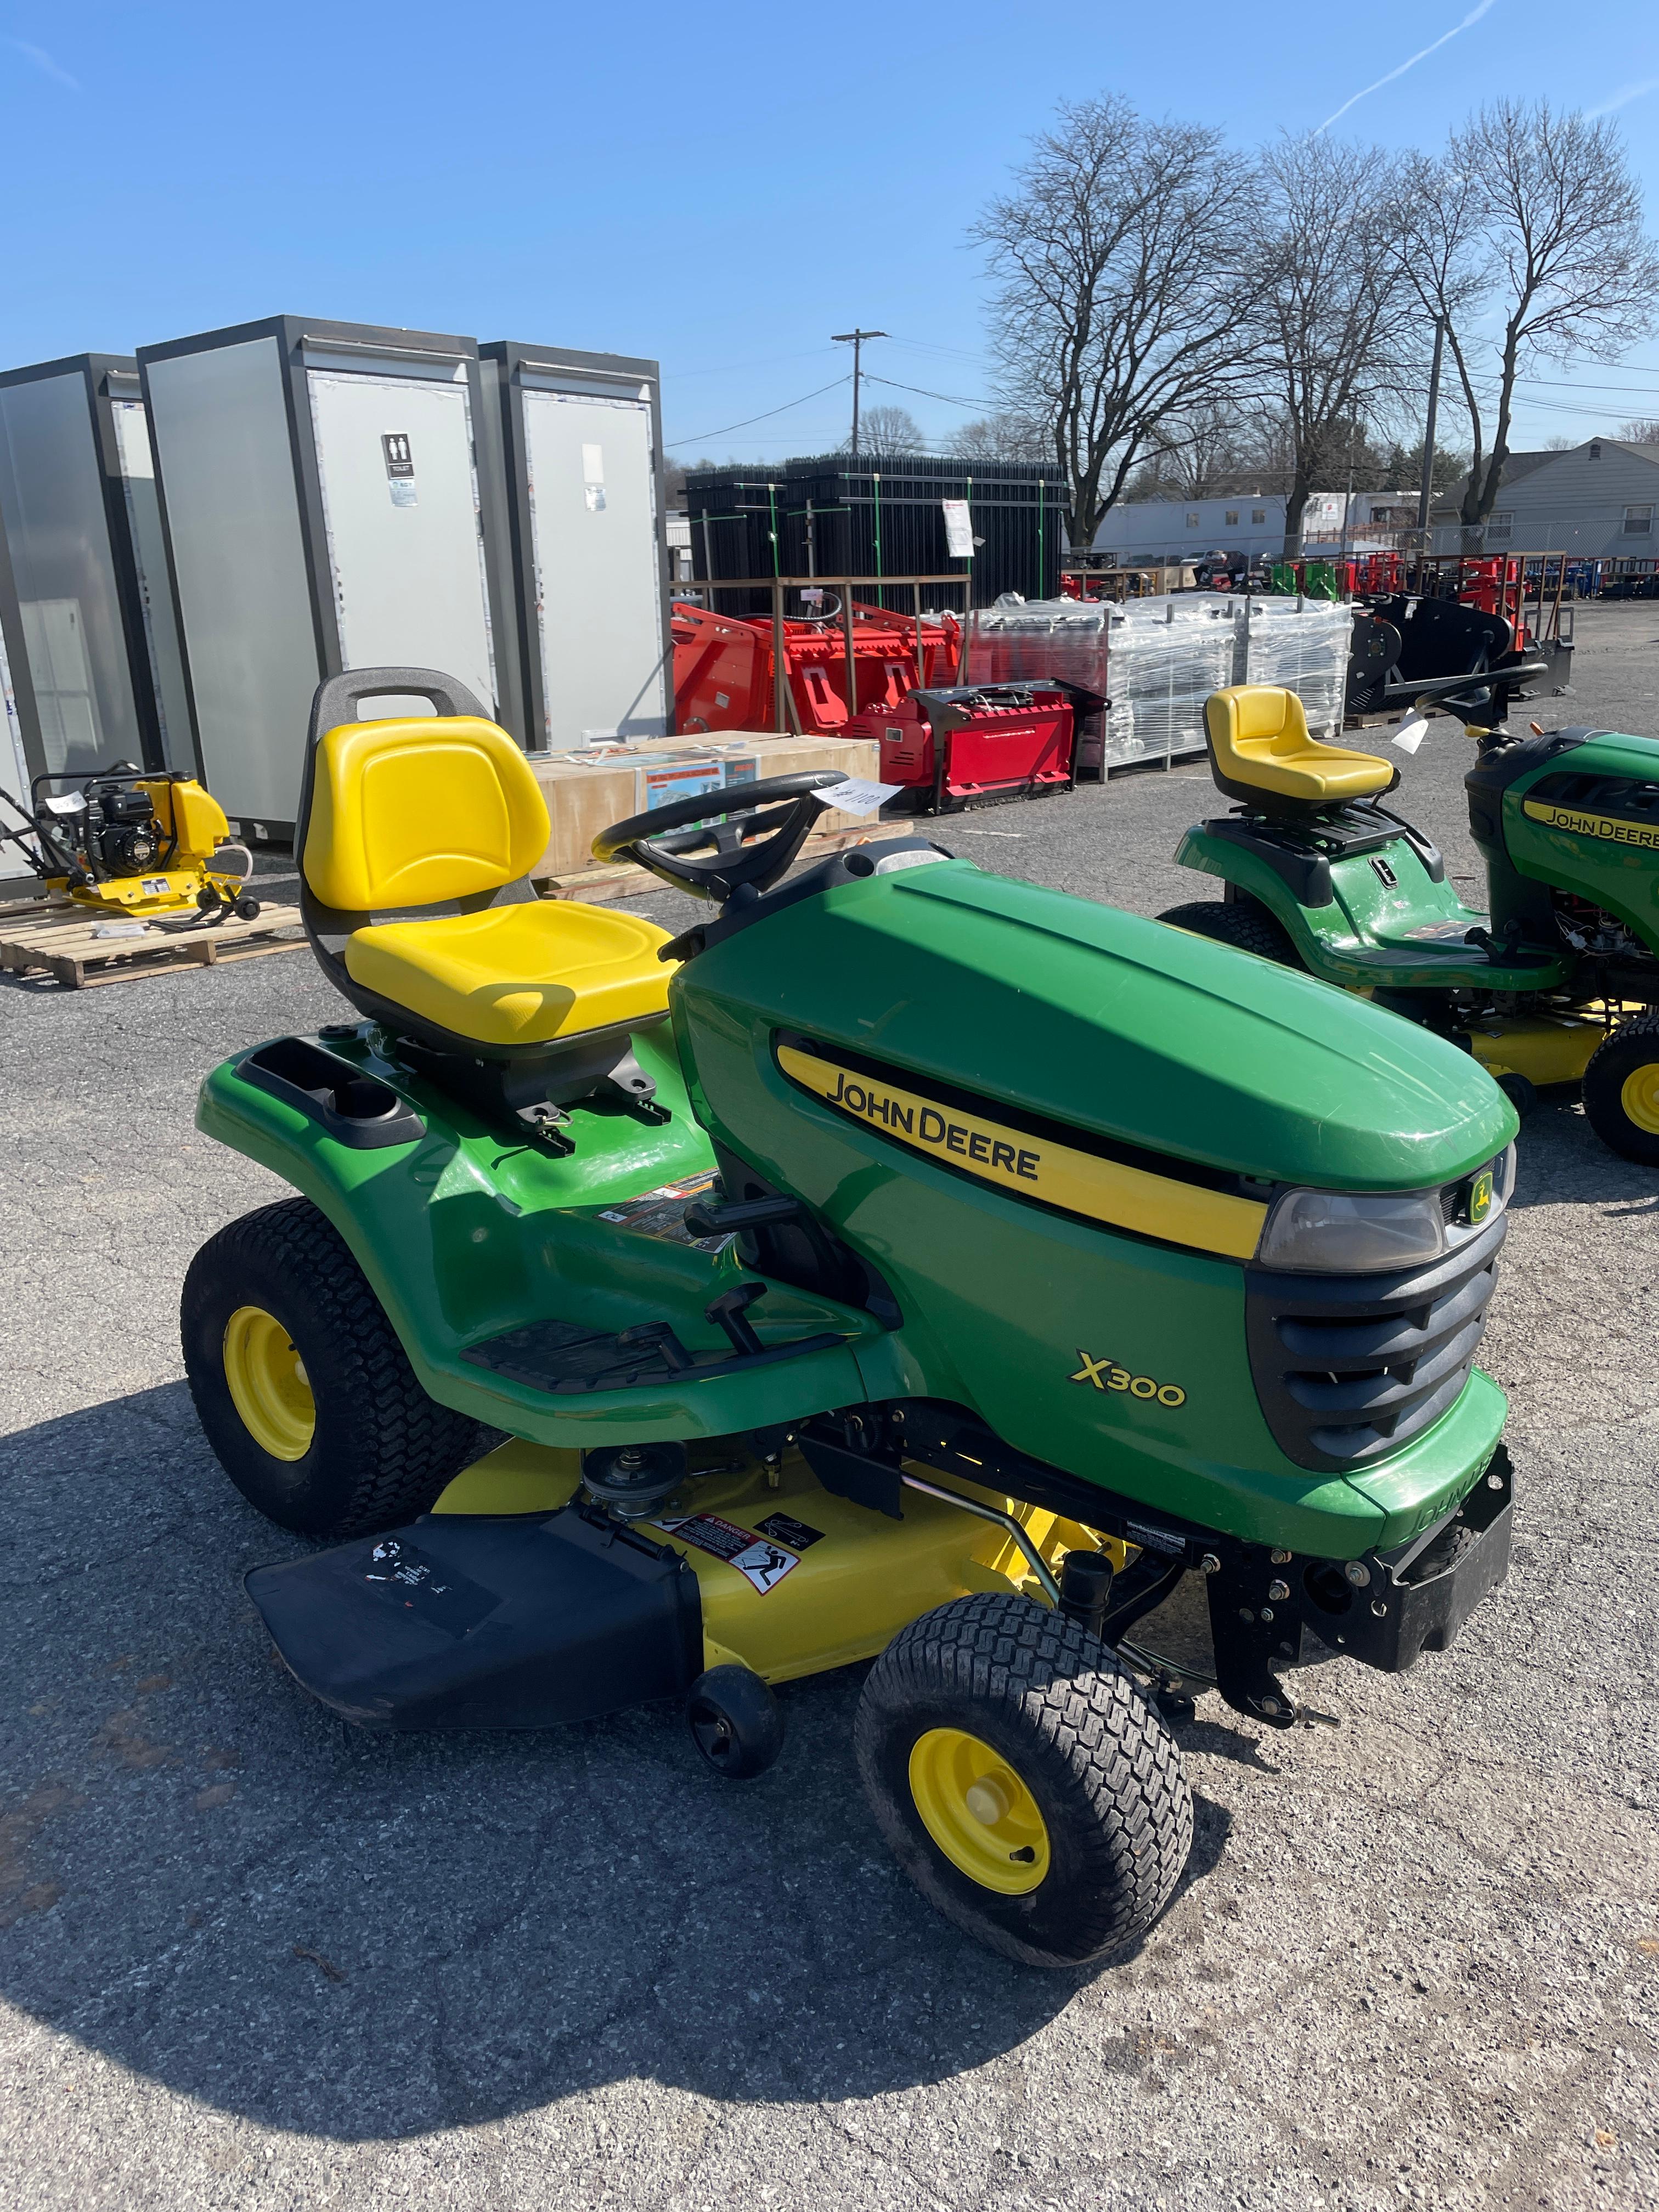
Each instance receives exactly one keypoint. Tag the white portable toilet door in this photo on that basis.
(593, 497)
(400, 503)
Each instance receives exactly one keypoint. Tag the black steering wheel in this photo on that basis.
(751, 850)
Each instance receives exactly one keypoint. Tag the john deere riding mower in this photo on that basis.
(1555, 980)
(126, 844)
(903, 1264)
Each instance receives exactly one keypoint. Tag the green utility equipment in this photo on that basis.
(903, 1264)
(1555, 980)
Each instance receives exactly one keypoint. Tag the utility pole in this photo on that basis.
(1425, 491)
(855, 339)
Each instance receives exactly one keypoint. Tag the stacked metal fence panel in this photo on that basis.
(881, 515)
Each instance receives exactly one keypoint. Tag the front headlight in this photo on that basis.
(1339, 1232)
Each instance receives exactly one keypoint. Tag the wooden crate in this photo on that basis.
(587, 791)
(56, 937)
(603, 886)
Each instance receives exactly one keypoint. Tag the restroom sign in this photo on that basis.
(399, 467)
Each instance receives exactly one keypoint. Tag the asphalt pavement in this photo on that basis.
(249, 1957)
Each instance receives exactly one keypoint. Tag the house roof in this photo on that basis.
(1523, 465)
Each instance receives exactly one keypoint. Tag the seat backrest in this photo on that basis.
(413, 812)
(1250, 720)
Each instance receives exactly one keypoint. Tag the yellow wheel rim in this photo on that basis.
(268, 1383)
(1640, 1098)
(979, 1812)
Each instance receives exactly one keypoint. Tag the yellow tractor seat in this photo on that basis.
(414, 838)
(1260, 750)
(516, 975)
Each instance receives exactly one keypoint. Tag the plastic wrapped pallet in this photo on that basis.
(1166, 656)
(1025, 640)
(1157, 660)
(1302, 645)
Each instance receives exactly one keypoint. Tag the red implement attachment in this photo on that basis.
(723, 668)
(991, 741)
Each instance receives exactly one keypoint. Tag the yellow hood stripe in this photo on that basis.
(1030, 1167)
(1611, 826)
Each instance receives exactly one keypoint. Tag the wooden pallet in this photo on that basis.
(56, 936)
(605, 886)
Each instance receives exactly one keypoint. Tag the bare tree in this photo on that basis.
(1119, 306)
(1535, 218)
(1004, 436)
(1204, 456)
(889, 430)
(1330, 309)
(1644, 431)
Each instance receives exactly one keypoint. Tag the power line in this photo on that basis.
(951, 399)
(702, 435)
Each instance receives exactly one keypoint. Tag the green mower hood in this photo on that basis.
(1123, 1027)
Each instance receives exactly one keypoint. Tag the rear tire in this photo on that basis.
(1022, 1780)
(1245, 924)
(1621, 1089)
(332, 1435)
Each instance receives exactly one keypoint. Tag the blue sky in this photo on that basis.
(720, 188)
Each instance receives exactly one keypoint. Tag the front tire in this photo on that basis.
(1022, 1781)
(305, 1392)
(1621, 1089)
(1244, 923)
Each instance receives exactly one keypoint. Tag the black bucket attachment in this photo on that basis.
(457, 1621)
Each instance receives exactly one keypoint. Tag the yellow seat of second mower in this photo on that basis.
(1258, 735)
(516, 975)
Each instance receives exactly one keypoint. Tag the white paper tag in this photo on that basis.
(1411, 733)
(856, 794)
(958, 529)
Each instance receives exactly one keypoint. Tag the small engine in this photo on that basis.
(118, 832)
(1591, 930)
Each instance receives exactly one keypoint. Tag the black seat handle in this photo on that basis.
(338, 696)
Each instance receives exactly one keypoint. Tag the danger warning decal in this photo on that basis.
(762, 1563)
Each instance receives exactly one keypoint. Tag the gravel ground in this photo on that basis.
(250, 1959)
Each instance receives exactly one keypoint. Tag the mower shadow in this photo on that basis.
(1561, 1160)
(207, 1880)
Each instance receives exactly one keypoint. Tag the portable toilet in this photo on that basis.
(580, 446)
(91, 652)
(326, 508)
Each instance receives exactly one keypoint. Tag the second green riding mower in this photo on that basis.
(1555, 980)
(904, 1264)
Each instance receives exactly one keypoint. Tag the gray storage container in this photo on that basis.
(325, 507)
(90, 649)
(580, 444)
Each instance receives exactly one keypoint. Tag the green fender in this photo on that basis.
(463, 1234)
(1407, 936)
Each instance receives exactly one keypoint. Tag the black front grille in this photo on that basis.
(1349, 1367)
(1600, 795)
